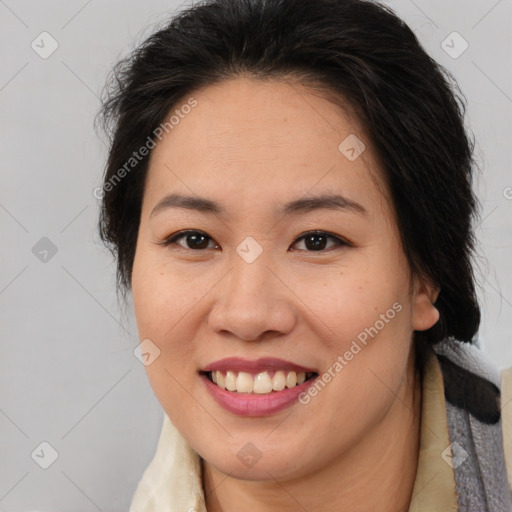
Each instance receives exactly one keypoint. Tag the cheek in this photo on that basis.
(346, 304)
(160, 309)
(159, 306)
(366, 349)
(162, 296)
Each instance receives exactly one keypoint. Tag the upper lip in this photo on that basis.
(255, 366)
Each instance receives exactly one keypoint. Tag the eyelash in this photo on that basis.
(171, 240)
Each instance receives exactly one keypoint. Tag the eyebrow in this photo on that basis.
(302, 205)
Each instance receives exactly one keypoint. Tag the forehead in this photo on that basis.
(251, 140)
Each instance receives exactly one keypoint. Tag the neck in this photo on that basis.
(377, 474)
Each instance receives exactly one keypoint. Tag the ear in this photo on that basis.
(425, 314)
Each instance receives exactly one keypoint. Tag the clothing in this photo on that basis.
(461, 465)
(473, 406)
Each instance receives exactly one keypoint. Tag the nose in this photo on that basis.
(253, 302)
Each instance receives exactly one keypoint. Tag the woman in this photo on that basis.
(288, 195)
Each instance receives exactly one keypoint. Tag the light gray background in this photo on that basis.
(68, 375)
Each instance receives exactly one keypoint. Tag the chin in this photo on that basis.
(250, 463)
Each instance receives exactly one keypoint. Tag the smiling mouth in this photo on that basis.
(262, 383)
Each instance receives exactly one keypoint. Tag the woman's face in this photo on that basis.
(247, 283)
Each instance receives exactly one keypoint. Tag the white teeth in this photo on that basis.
(291, 380)
(279, 381)
(230, 381)
(244, 383)
(262, 383)
(221, 380)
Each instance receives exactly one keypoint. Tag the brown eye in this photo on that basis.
(194, 240)
(316, 241)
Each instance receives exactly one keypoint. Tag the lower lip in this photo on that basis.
(253, 404)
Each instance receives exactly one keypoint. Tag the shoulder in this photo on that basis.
(471, 381)
(479, 407)
(506, 410)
